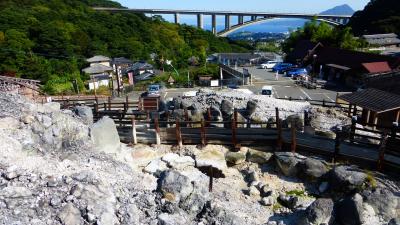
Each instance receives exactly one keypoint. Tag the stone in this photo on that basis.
(253, 191)
(268, 201)
(155, 167)
(253, 177)
(142, 156)
(9, 123)
(313, 168)
(266, 191)
(175, 186)
(320, 212)
(85, 113)
(15, 192)
(211, 157)
(384, 202)
(289, 201)
(171, 219)
(178, 162)
(349, 210)
(70, 215)
(105, 136)
(55, 201)
(235, 158)
(46, 121)
(323, 187)
(260, 157)
(346, 178)
(394, 221)
(251, 107)
(226, 108)
(296, 119)
(287, 162)
(52, 106)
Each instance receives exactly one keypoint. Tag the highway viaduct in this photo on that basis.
(255, 17)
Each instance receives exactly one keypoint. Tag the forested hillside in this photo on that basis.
(50, 39)
(379, 16)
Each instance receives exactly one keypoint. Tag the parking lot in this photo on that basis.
(284, 87)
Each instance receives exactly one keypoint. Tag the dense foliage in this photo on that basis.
(340, 37)
(50, 39)
(379, 16)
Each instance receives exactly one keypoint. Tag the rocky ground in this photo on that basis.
(260, 108)
(57, 167)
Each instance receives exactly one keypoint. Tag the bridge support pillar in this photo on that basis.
(227, 22)
(253, 18)
(200, 23)
(214, 24)
(176, 17)
(240, 19)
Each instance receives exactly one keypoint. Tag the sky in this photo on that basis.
(295, 6)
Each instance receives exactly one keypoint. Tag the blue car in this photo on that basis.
(282, 67)
(294, 73)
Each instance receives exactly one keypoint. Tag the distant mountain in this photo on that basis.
(339, 10)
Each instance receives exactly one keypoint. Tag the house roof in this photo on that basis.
(122, 60)
(98, 58)
(377, 67)
(239, 56)
(139, 66)
(374, 100)
(351, 59)
(382, 39)
(97, 69)
(144, 76)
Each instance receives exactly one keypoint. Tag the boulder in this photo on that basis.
(288, 201)
(384, 202)
(313, 168)
(178, 162)
(251, 107)
(266, 191)
(211, 157)
(226, 108)
(105, 136)
(216, 114)
(394, 221)
(15, 192)
(319, 212)
(142, 156)
(296, 119)
(260, 157)
(346, 178)
(85, 113)
(70, 215)
(268, 201)
(175, 186)
(288, 162)
(349, 210)
(52, 106)
(155, 167)
(9, 123)
(171, 219)
(235, 158)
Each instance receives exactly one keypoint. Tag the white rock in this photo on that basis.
(175, 161)
(212, 158)
(155, 167)
(9, 123)
(105, 136)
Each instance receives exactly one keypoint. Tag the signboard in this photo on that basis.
(214, 83)
(130, 77)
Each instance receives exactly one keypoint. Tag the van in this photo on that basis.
(269, 64)
(267, 90)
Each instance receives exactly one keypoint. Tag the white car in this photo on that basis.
(268, 91)
(269, 64)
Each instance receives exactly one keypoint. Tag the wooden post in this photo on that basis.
(382, 148)
(306, 119)
(105, 106)
(355, 110)
(398, 116)
(293, 143)
(211, 174)
(337, 98)
(208, 116)
(279, 130)
(234, 140)
(167, 118)
(178, 133)
(186, 117)
(134, 138)
(395, 126)
(337, 146)
(157, 129)
(235, 116)
(148, 118)
(368, 115)
(109, 103)
(353, 128)
(323, 103)
(96, 100)
(203, 133)
(96, 109)
(376, 119)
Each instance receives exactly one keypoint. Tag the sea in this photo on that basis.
(275, 25)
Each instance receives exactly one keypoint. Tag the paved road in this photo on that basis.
(284, 87)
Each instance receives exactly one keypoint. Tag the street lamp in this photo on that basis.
(314, 61)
